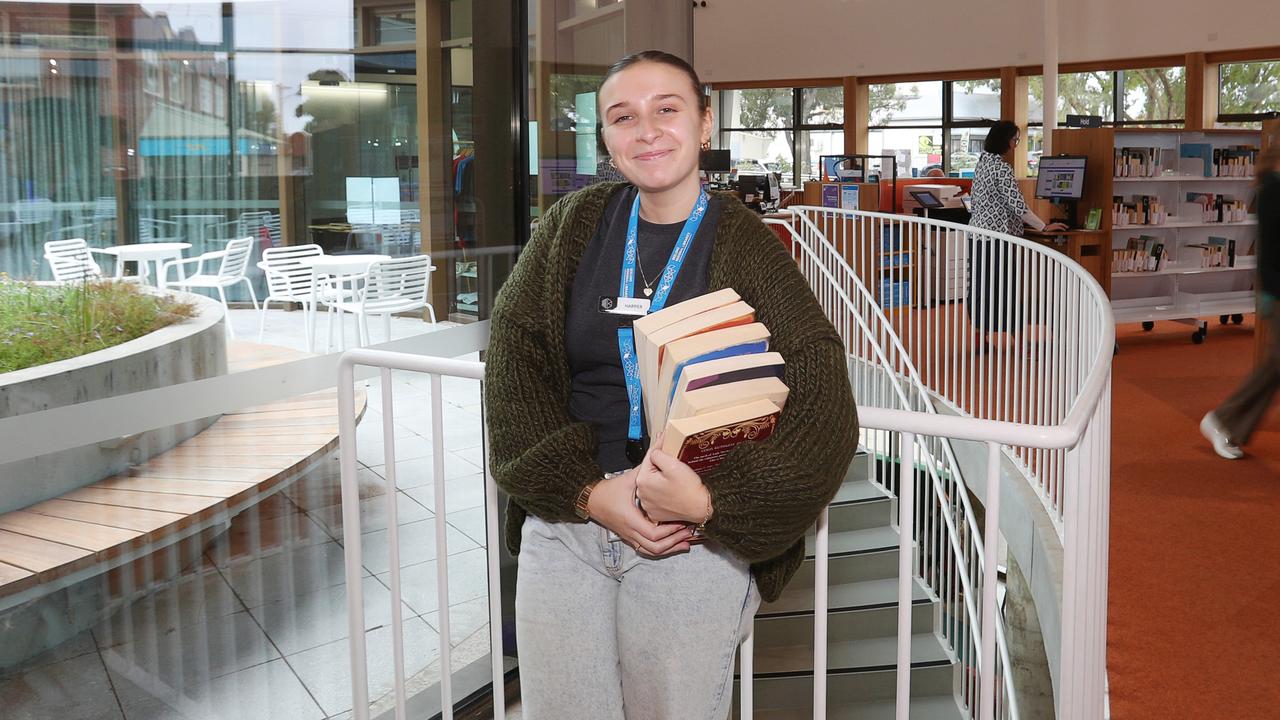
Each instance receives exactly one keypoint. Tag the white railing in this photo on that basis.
(436, 368)
(1040, 407)
(1038, 397)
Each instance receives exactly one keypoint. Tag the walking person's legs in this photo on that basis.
(1232, 423)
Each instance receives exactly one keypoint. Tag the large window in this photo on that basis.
(1143, 96)
(158, 131)
(932, 127)
(1249, 91)
(783, 130)
(1135, 97)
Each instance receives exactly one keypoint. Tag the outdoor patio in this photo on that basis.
(256, 627)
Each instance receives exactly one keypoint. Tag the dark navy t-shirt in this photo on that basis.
(599, 389)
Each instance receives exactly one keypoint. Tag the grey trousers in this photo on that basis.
(1241, 413)
(604, 634)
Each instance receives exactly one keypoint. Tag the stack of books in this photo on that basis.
(1141, 254)
(1138, 162)
(1217, 252)
(708, 377)
(1234, 161)
(1141, 210)
(1208, 161)
(1216, 208)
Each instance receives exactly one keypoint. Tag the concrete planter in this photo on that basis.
(190, 350)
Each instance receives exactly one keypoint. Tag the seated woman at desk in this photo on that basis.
(997, 205)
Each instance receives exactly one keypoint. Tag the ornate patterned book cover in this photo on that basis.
(703, 451)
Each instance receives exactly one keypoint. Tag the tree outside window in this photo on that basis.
(1155, 94)
(784, 130)
(1248, 91)
(1143, 96)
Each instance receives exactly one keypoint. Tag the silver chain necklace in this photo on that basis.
(648, 286)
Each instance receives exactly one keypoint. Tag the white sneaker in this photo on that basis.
(1213, 431)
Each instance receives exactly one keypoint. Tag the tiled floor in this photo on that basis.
(257, 626)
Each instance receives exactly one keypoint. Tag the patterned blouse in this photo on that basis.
(997, 201)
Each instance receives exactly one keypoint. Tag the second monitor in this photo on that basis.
(1061, 177)
(1061, 180)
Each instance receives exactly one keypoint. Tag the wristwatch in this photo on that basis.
(580, 505)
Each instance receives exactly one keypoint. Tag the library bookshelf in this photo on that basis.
(1169, 172)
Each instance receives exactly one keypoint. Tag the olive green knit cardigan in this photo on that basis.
(767, 494)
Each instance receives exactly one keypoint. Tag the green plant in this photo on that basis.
(43, 323)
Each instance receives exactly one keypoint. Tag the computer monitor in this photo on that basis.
(761, 189)
(1061, 177)
(715, 161)
(927, 199)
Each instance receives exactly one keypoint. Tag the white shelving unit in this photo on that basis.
(1182, 291)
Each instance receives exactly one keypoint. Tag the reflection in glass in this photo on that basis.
(757, 108)
(918, 150)
(975, 99)
(905, 104)
(287, 124)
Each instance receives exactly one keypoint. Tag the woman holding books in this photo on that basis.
(638, 577)
(997, 205)
(1232, 424)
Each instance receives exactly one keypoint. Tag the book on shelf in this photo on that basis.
(1201, 157)
(1204, 160)
(1140, 210)
(1216, 252)
(1138, 162)
(702, 441)
(1224, 250)
(1235, 161)
(1212, 208)
(1141, 254)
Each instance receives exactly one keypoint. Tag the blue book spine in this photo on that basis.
(760, 346)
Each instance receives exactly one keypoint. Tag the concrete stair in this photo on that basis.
(861, 624)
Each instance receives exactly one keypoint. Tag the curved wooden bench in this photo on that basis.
(237, 462)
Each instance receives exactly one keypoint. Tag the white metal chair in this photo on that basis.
(71, 260)
(390, 286)
(289, 279)
(231, 270)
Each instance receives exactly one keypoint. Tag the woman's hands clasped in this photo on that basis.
(669, 490)
(613, 505)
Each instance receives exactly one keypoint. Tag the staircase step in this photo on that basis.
(869, 513)
(858, 489)
(855, 542)
(933, 707)
(858, 640)
(797, 599)
(856, 695)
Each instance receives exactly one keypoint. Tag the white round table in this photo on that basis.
(345, 271)
(142, 253)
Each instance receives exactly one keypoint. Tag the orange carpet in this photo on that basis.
(1195, 540)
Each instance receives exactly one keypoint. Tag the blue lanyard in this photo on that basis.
(626, 288)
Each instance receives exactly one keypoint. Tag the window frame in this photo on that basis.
(792, 129)
(1258, 117)
(1117, 103)
(948, 121)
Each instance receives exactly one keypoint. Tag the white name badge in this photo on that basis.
(632, 307)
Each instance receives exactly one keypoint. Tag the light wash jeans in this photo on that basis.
(605, 634)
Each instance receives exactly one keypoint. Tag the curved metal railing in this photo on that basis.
(957, 334)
